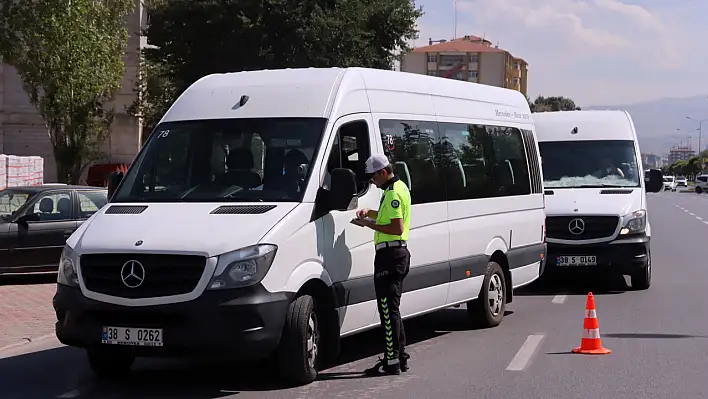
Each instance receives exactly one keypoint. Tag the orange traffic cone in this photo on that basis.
(591, 344)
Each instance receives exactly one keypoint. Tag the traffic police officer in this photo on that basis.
(392, 260)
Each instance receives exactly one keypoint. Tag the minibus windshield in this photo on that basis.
(237, 160)
(583, 164)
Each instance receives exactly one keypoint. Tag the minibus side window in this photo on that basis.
(350, 150)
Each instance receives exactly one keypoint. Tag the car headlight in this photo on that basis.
(68, 272)
(635, 223)
(243, 267)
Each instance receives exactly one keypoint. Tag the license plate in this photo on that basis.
(576, 260)
(132, 336)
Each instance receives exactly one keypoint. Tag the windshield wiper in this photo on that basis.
(604, 185)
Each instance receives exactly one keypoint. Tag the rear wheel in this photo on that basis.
(108, 363)
(298, 352)
(488, 309)
(641, 280)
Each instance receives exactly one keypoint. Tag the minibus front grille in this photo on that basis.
(141, 275)
(581, 227)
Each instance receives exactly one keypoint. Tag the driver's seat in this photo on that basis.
(240, 163)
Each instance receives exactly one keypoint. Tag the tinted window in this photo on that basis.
(241, 160)
(607, 163)
(90, 202)
(465, 154)
(413, 149)
(509, 168)
(56, 206)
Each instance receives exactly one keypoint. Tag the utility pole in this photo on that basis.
(454, 35)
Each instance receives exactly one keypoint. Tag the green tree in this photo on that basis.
(547, 104)
(68, 54)
(194, 38)
(156, 89)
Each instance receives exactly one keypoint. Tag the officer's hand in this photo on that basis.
(362, 213)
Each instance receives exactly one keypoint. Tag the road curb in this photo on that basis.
(26, 341)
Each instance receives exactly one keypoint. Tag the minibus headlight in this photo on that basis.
(68, 272)
(243, 267)
(635, 222)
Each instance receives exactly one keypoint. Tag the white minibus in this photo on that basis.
(230, 233)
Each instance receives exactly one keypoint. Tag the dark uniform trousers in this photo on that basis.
(391, 266)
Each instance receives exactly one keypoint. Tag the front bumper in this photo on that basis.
(621, 256)
(246, 323)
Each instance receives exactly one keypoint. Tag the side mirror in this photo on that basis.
(24, 219)
(342, 189)
(654, 180)
(114, 179)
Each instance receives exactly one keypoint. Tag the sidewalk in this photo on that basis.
(26, 311)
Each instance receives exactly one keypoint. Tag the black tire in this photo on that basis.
(480, 310)
(642, 279)
(698, 190)
(296, 362)
(110, 364)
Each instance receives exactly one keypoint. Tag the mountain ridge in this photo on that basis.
(657, 121)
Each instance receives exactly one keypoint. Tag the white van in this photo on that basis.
(595, 193)
(231, 234)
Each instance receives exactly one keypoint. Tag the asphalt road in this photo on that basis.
(659, 339)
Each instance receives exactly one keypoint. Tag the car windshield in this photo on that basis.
(11, 200)
(238, 160)
(581, 164)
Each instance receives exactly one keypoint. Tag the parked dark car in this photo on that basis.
(35, 222)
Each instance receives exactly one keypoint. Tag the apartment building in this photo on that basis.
(652, 161)
(23, 131)
(470, 58)
(680, 154)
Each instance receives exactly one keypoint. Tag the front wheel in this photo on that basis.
(641, 280)
(699, 190)
(109, 364)
(298, 352)
(488, 309)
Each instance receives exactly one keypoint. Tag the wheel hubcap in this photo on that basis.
(313, 339)
(495, 294)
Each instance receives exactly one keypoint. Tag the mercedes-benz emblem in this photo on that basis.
(132, 274)
(576, 226)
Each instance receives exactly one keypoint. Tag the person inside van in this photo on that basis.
(240, 163)
(295, 164)
(607, 168)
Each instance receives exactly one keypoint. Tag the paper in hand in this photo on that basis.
(357, 221)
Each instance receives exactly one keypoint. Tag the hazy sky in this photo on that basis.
(598, 52)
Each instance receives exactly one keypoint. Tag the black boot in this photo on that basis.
(403, 359)
(381, 368)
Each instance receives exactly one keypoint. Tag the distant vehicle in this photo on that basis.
(681, 181)
(596, 205)
(702, 183)
(35, 222)
(669, 183)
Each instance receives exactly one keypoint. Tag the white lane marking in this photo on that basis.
(76, 392)
(691, 213)
(523, 356)
(699, 218)
(559, 299)
(705, 222)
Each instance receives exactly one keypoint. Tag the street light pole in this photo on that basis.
(700, 130)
